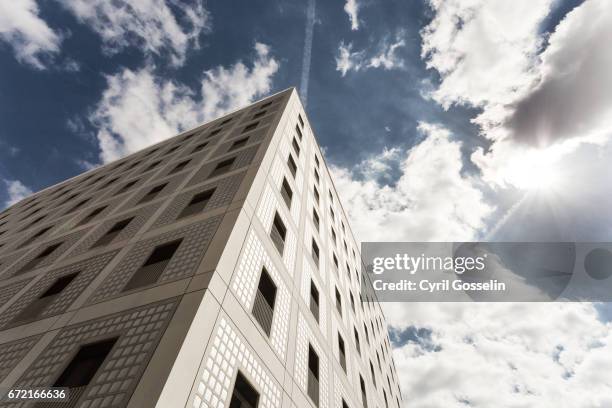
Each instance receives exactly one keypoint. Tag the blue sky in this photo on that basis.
(441, 119)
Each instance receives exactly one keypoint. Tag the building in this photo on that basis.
(214, 269)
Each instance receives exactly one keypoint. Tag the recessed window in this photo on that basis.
(316, 195)
(341, 352)
(40, 257)
(199, 147)
(338, 302)
(298, 131)
(263, 307)
(154, 266)
(226, 121)
(34, 237)
(314, 300)
(316, 160)
(278, 233)
(315, 252)
(292, 166)
(313, 375)
(250, 127)
(335, 258)
(78, 205)
(38, 305)
(179, 167)
(357, 343)
(92, 215)
(133, 165)
(152, 193)
(244, 394)
(317, 177)
(197, 204)
(296, 146)
(364, 397)
(239, 143)
(153, 165)
(259, 114)
(372, 372)
(352, 301)
(214, 132)
(286, 192)
(222, 167)
(300, 120)
(265, 105)
(315, 218)
(344, 404)
(331, 197)
(110, 182)
(333, 215)
(172, 149)
(85, 364)
(112, 233)
(126, 187)
(333, 233)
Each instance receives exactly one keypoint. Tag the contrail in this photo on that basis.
(310, 19)
(502, 221)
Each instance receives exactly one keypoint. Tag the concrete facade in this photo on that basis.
(214, 269)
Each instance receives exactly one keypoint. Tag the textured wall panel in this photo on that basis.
(196, 238)
(139, 331)
(11, 353)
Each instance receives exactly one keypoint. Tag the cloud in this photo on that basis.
(431, 200)
(138, 108)
(154, 26)
(32, 40)
(384, 55)
(573, 96)
(352, 8)
(16, 191)
(531, 355)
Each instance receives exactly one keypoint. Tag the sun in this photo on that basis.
(539, 172)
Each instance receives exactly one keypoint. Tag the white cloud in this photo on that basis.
(153, 25)
(352, 9)
(16, 191)
(383, 56)
(531, 355)
(139, 109)
(431, 200)
(30, 37)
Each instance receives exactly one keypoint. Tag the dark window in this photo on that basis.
(341, 352)
(331, 197)
(314, 300)
(85, 364)
(315, 218)
(292, 165)
(373, 375)
(300, 120)
(133, 165)
(214, 132)
(344, 404)
(179, 167)
(357, 343)
(244, 395)
(153, 165)
(36, 221)
(110, 182)
(34, 237)
(335, 258)
(263, 307)
(259, 114)
(239, 143)
(92, 215)
(364, 397)
(154, 266)
(226, 121)
(316, 194)
(222, 167)
(338, 302)
(315, 252)
(112, 233)
(299, 131)
(265, 105)
(152, 193)
(40, 257)
(296, 146)
(199, 147)
(352, 301)
(250, 127)
(313, 375)
(172, 149)
(78, 205)
(317, 178)
(333, 233)
(36, 307)
(278, 233)
(197, 204)
(286, 192)
(127, 186)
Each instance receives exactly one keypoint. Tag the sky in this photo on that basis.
(442, 120)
